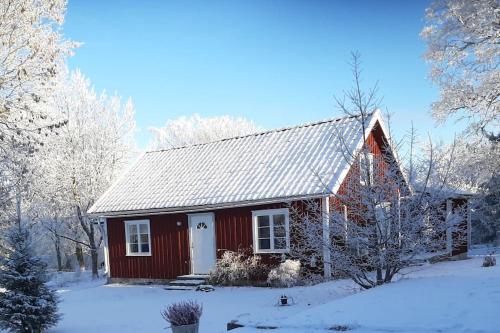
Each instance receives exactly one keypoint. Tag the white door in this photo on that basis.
(202, 234)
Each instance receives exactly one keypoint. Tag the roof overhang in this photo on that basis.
(204, 208)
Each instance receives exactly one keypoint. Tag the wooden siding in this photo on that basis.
(169, 249)
(233, 227)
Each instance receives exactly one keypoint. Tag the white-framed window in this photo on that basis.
(271, 232)
(138, 238)
(365, 168)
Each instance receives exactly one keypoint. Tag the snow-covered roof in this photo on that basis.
(296, 162)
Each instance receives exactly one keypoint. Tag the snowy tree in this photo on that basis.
(32, 52)
(463, 39)
(27, 304)
(92, 149)
(377, 224)
(488, 212)
(196, 129)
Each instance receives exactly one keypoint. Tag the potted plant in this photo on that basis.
(183, 317)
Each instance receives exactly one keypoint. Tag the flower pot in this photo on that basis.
(193, 328)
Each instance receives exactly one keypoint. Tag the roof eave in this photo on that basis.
(201, 208)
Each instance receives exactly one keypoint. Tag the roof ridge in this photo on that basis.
(280, 129)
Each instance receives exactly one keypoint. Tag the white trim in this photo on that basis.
(191, 255)
(127, 238)
(270, 213)
(104, 231)
(325, 210)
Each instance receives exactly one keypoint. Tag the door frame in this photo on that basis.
(191, 247)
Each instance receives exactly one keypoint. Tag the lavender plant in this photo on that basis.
(183, 313)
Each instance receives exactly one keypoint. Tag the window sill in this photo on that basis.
(138, 254)
(272, 251)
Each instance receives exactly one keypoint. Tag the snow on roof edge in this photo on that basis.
(280, 129)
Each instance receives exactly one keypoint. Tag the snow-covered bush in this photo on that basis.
(489, 261)
(287, 274)
(238, 268)
(183, 313)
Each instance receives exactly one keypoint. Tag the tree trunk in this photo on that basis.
(57, 245)
(79, 257)
(380, 279)
(93, 253)
(89, 229)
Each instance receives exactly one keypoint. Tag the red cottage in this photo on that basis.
(178, 209)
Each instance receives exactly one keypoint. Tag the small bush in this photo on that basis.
(238, 268)
(287, 274)
(489, 261)
(182, 313)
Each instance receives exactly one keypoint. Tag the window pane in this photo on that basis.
(279, 231)
(263, 221)
(279, 219)
(144, 238)
(132, 229)
(134, 248)
(133, 238)
(144, 247)
(280, 243)
(264, 232)
(264, 244)
(143, 228)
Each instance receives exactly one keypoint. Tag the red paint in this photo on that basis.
(170, 243)
(169, 249)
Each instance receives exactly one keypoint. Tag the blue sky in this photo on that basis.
(278, 63)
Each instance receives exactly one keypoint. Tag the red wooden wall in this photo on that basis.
(233, 227)
(169, 249)
(170, 255)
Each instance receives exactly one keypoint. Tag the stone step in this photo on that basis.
(192, 283)
(193, 277)
(179, 288)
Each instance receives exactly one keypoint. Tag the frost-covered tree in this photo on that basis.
(32, 53)
(27, 304)
(377, 225)
(196, 129)
(488, 212)
(473, 168)
(463, 38)
(90, 152)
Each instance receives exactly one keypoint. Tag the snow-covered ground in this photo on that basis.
(458, 296)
